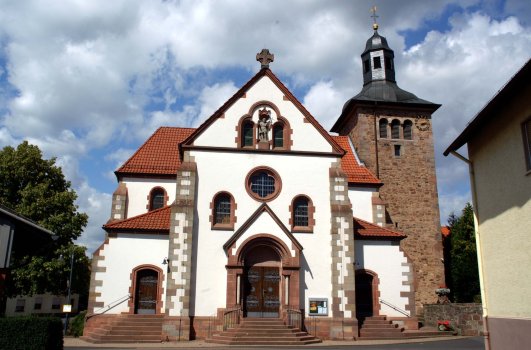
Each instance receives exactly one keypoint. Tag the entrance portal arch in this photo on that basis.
(367, 294)
(263, 276)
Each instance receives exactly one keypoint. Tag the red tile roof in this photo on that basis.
(159, 155)
(356, 173)
(365, 229)
(157, 220)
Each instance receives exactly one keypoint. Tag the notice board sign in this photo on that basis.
(318, 306)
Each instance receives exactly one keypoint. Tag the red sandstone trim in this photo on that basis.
(160, 288)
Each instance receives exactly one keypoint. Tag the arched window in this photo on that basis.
(302, 214)
(408, 130)
(247, 137)
(157, 198)
(395, 129)
(383, 128)
(278, 135)
(222, 211)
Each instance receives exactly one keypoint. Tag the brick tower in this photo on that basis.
(390, 129)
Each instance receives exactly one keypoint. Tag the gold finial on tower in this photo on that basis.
(374, 16)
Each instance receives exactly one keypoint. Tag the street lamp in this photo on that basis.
(69, 290)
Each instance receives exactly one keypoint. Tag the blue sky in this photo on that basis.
(89, 81)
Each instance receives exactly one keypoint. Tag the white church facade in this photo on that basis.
(259, 211)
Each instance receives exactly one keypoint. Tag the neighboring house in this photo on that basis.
(261, 209)
(40, 304)
(18, 236)
(499, 157)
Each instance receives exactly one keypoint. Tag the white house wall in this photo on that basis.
(385, 259)
(227, 172)
(121, 255)
(361, 199)
(138, 191)
(222, 132)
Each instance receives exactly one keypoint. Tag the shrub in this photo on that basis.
(31, 333)
(77, 325)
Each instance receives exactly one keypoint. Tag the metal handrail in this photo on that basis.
(231, 318)
(110, 306)
(294, 318)
(403, 312)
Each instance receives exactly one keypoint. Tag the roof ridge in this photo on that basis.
(136, 217)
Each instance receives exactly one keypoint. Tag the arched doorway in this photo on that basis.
(261, 282)
(367, 294)
(146, 297)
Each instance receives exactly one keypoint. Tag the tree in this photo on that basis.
(36, 188)
(463, 264)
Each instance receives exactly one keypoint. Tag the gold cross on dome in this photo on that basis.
(265, 57)
(374, 16)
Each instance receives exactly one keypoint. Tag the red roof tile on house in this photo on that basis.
(365, 229)
(159, 155)
(356, 173)
(157, 220)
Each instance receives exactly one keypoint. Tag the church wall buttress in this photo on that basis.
(343, 303)
(119, 203)
(407, 169)
(180, 254)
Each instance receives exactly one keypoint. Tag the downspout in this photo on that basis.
(479, 247)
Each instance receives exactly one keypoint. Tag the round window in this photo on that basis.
(263, 184)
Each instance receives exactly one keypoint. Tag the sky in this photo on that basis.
(89, 81)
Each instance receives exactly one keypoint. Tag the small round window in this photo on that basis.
(263, 184)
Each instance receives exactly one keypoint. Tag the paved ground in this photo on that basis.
(454, 343)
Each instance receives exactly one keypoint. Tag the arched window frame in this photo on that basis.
(383, 128)
(286, 134)
(395, 129)
(213, 216)
(240, 129)
(407, 130)
(311, 210)
(151, 198)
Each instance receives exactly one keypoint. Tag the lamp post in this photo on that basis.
(69, 288)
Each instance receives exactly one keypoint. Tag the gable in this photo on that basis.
(264, 90)
(263, 220)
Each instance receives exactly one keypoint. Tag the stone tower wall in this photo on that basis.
(409, 190)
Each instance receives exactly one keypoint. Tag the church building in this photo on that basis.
(260, 213)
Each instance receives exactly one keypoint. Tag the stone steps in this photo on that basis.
(271, 332)
(378, 327)
(129, 329)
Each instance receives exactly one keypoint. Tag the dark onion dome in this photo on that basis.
(376, 42)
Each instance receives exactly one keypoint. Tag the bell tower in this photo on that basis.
(390, 129)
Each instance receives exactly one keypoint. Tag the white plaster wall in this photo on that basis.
(227, 172)
(503, 187)
(122, 254)
(386, 260)
(361, 199)
(222, 132)
(138, 191)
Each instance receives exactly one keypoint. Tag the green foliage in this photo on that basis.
(36, 188)
(464, 276)
(31, 333)
(77, 325)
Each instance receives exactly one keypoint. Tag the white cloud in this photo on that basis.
(325, 103)
(90, 73)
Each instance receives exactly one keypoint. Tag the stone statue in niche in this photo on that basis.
(264, 124)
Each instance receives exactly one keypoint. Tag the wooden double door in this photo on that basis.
(261, 292)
